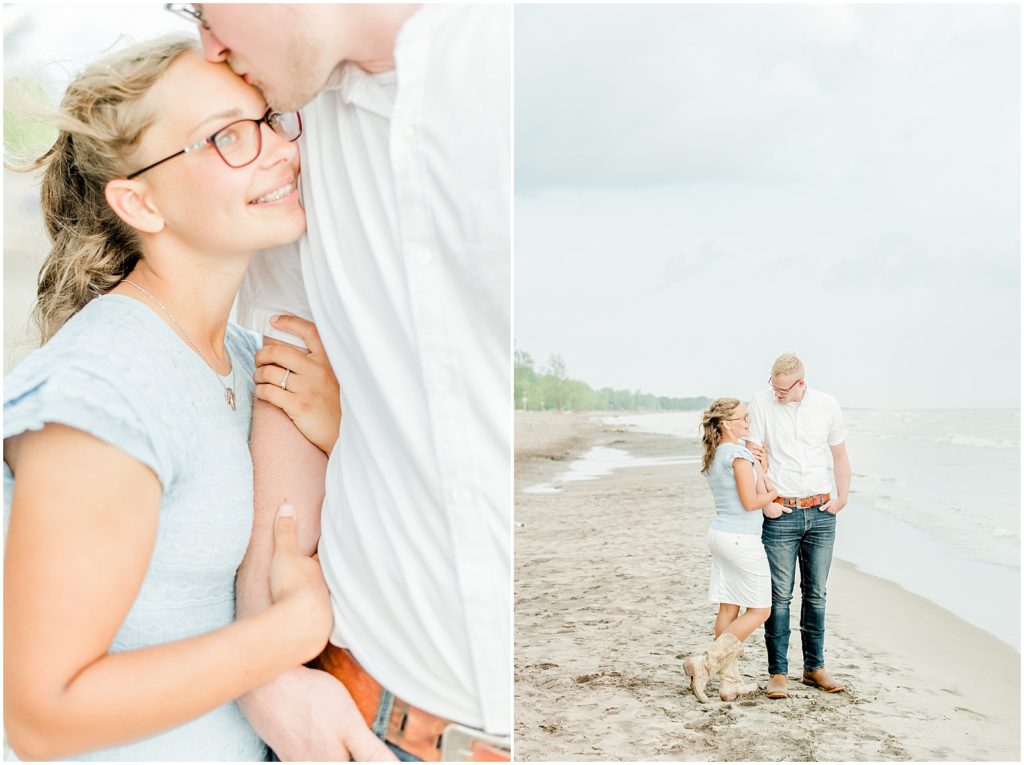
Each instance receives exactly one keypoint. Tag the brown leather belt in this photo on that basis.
(817, 499)
(416, 731)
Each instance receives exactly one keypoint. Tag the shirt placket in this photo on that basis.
(801, 451)
(437, 343)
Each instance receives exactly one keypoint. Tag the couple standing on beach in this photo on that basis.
(773, 509)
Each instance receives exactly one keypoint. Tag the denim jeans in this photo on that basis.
(805, 535)
(380, 727)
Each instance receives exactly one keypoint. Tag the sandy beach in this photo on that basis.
(611, 595)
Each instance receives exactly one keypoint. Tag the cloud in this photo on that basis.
(643, 95)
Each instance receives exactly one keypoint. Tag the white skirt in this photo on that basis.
(739, 570)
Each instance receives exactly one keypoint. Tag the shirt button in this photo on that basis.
(421, 254)
(461, 495)
(441, 375)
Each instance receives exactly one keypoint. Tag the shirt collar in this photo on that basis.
(359, 88)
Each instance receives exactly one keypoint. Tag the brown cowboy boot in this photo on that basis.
(778, 687)
(701, 666)
(819, 678)
(731, 682)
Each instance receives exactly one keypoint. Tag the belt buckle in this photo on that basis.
(457, 742)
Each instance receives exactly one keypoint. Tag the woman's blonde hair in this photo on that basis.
(101, 119)
(711, 427)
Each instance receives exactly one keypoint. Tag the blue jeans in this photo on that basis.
(380, 727)
(805, 535)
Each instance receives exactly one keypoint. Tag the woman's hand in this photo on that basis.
(296, 580)
(310, 395)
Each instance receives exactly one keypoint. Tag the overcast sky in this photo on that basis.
(55, 39)
(700, 188)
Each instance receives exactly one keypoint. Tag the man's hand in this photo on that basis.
(308, 715)
(311, 396)
(834, 505)
(760, 454)
(774, 510)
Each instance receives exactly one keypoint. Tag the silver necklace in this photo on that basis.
(229, 393)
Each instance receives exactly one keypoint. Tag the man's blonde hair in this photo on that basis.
(787, 364)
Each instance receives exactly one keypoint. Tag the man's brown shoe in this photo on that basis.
(819, 678)
(778, 687)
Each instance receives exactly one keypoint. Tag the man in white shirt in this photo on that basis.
(792, 427)
(405, 268)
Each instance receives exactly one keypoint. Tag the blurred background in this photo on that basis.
(44, 46)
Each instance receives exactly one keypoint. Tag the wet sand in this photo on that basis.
(611, 595)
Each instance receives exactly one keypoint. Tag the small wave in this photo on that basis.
(956, 439)
(986, 443)
(874, 477)
(541, 488)
(1001, 533)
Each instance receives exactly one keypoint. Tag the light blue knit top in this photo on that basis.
(729, 513)
(116, 370)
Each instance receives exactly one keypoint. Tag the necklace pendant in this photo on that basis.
(229, 396)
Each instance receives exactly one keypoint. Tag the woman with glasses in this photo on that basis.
(128, 479)
(740, 576)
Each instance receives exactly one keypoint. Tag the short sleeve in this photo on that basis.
(728, 453)
(273, 285)
(82, 399)
(741, 452)
(836, 426)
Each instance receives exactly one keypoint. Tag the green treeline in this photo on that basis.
(552, 388)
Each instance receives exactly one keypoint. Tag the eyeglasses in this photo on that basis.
(241, 142)
(745, 418)
(188, 11)
(783, 390)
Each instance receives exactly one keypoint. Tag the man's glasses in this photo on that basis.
(188, 11)
(241, 142)
(783, 390)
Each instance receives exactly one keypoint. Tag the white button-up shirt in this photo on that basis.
(406, 181)
(797, 437)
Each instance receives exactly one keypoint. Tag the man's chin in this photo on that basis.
(283, 104)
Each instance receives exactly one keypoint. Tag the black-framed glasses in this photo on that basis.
(784, 390)
(241, 142)
(188, 11)
(745, 418)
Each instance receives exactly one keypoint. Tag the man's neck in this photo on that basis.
(374, 52)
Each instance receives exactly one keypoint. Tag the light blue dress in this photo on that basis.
(116, 370)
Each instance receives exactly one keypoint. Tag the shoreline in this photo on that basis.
(873, 541)
(611, 582)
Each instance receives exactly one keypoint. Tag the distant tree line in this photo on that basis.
(552, 388)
